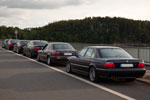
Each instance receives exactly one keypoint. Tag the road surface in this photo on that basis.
(25, 79)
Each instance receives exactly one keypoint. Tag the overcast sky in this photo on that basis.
(35, 13)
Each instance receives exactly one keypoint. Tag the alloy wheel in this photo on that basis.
(68, 68)
(38, 57)
(49, 61)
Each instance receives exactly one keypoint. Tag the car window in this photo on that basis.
(14, 41)
(93, 54)
(62, 46)
(45, 48)
(40, 43)
(23, 42)
(82, 52)
(89, 53)
(114, 53)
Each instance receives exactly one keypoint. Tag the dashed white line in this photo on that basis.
(81, 79)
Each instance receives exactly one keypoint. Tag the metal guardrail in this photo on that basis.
(139, 52)
(136, 52)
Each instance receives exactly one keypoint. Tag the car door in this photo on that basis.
(44, 52)
(86, 60)
(28, 48)
(76, 61)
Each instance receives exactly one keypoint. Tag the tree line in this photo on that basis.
(89, 30)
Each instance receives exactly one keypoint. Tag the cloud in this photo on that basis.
(6, 12)
(39, 4)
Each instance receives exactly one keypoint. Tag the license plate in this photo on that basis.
(67, 54)
(126, 65)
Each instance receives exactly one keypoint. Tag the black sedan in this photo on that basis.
(106, 62)
(19, 46)
(4, 42)
(10, 44)
(56, 52)
(31, 50)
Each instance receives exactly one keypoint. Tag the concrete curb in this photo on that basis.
(146, 77)
(143, 80)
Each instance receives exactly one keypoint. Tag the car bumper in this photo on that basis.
(11, 47)
(62, 59)
(34, 52)
(122, 73)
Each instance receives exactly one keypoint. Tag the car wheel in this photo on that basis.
(17, 50)
(2, 46)
(24, 53)
(38, 58)
(93, 75)
(68, 68)
(30, 54)
(130, 79)
(49, 62)
(13, 50)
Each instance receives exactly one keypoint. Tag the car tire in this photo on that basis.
(23, 53)
(2, 46)
(30, 54)
(130, 79)
(93, 75)
(38, 58)
(68, 67)
(49, 62)
(13, 50)
(18, 51)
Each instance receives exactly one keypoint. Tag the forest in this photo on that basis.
(107, 30)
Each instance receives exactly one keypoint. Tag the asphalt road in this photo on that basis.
(25, 79)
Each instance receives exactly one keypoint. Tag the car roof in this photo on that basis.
(58, 43)
(97, 47)
(38, 40)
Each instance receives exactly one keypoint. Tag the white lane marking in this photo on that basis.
(81, 79)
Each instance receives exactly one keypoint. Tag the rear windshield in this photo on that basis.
(40, 43)
(62, 46)
(24, 42)
(14, 41)
(114, 53)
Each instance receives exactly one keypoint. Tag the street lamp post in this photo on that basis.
(16, 33)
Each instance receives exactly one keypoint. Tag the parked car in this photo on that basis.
(4, 43)
(33, 46)
(10, 43)
(56, 52)
(19, 46)
(106, 62)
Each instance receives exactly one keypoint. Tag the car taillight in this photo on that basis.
(77, 52)
(21, 46)
(56, 54)
(141, 65)
(11, 44)
(109, 65)
(36, 48)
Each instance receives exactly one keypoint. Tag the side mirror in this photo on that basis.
(79, 56)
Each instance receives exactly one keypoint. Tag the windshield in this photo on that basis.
(24, 42)
(14, 41)
(40, 43)
(114, 53)
(63, 46)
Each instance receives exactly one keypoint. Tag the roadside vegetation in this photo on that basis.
(89, 30)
